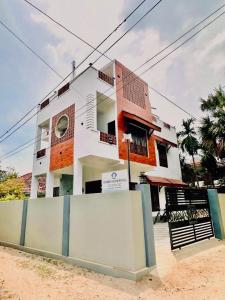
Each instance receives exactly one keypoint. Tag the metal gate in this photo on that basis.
(188, 216)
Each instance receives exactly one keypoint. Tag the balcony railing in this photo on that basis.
(138, 149)
(41, 153)
(107, 138)
(106, 78)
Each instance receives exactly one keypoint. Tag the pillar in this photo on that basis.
(49, 184)
(148, 224)
(34, 187)
(77, 177)
(215, 212)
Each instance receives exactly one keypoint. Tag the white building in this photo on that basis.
(80, 129)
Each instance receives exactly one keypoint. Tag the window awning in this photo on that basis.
(162, 181)
(141, 121)
(164, 141)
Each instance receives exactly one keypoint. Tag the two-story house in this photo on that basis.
(79, 135)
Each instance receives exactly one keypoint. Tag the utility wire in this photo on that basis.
(111, 33)
(64, 27)
(164, 58)
(27, 46)
(165, 48)
(172, 102)
(135, 24)
(175, 41)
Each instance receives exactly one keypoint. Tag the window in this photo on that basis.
(139, 137)
(92, 187)
(62, 126)
(63, 89)
(56, 191)
(162, 150)
(112, 128)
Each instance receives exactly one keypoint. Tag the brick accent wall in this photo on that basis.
(62, 155)
(70, 112)
(134, 99)
(133, 88)
(62, 148)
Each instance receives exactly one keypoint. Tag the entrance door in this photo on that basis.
(92, 187)
(155, 198)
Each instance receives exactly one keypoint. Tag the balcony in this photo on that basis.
(106, 78)
(107, 138)
(41, 153)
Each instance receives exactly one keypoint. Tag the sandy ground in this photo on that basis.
(195, 272)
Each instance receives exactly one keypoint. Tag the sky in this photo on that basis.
(188, 74)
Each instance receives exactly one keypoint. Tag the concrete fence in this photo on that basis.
(106, 232)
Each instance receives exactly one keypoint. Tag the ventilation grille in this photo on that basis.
(90, 112)
(133, 88)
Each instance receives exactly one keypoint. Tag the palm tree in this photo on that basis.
(212, 129)
(188, 141)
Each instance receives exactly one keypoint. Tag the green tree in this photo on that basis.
(186, 171)
(188, 141)
(212, 128)
(11, 187)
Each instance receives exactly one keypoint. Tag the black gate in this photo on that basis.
(188, 216)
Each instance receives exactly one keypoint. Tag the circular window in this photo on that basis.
(62, 126)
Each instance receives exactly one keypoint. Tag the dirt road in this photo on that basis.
(196, 272)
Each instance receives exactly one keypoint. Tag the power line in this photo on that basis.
(27, 46)
(164, 58)
(135, 24)
(185, 41)
(171, 101)
(64, 27)
(117, 27)
(165, 48)
(175, 41)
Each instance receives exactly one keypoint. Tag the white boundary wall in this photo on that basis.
(108, 229)
(45, 224)
(102, 232)
(11, 221)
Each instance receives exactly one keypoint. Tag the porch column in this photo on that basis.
(77, 177)
(34, 187)
(49, 184)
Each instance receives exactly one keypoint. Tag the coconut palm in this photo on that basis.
(188, 141)
(212, 129)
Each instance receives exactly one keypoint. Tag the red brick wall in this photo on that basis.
(62, 148)
(62, 155)
(132, 96)
(69, 111)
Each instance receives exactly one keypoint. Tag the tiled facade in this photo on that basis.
(61, 155)
(132, 97)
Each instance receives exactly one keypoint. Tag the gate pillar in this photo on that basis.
(148, 224)
(216, 213)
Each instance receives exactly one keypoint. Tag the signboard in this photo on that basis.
(115, 181)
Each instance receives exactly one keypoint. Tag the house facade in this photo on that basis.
(79, 135)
